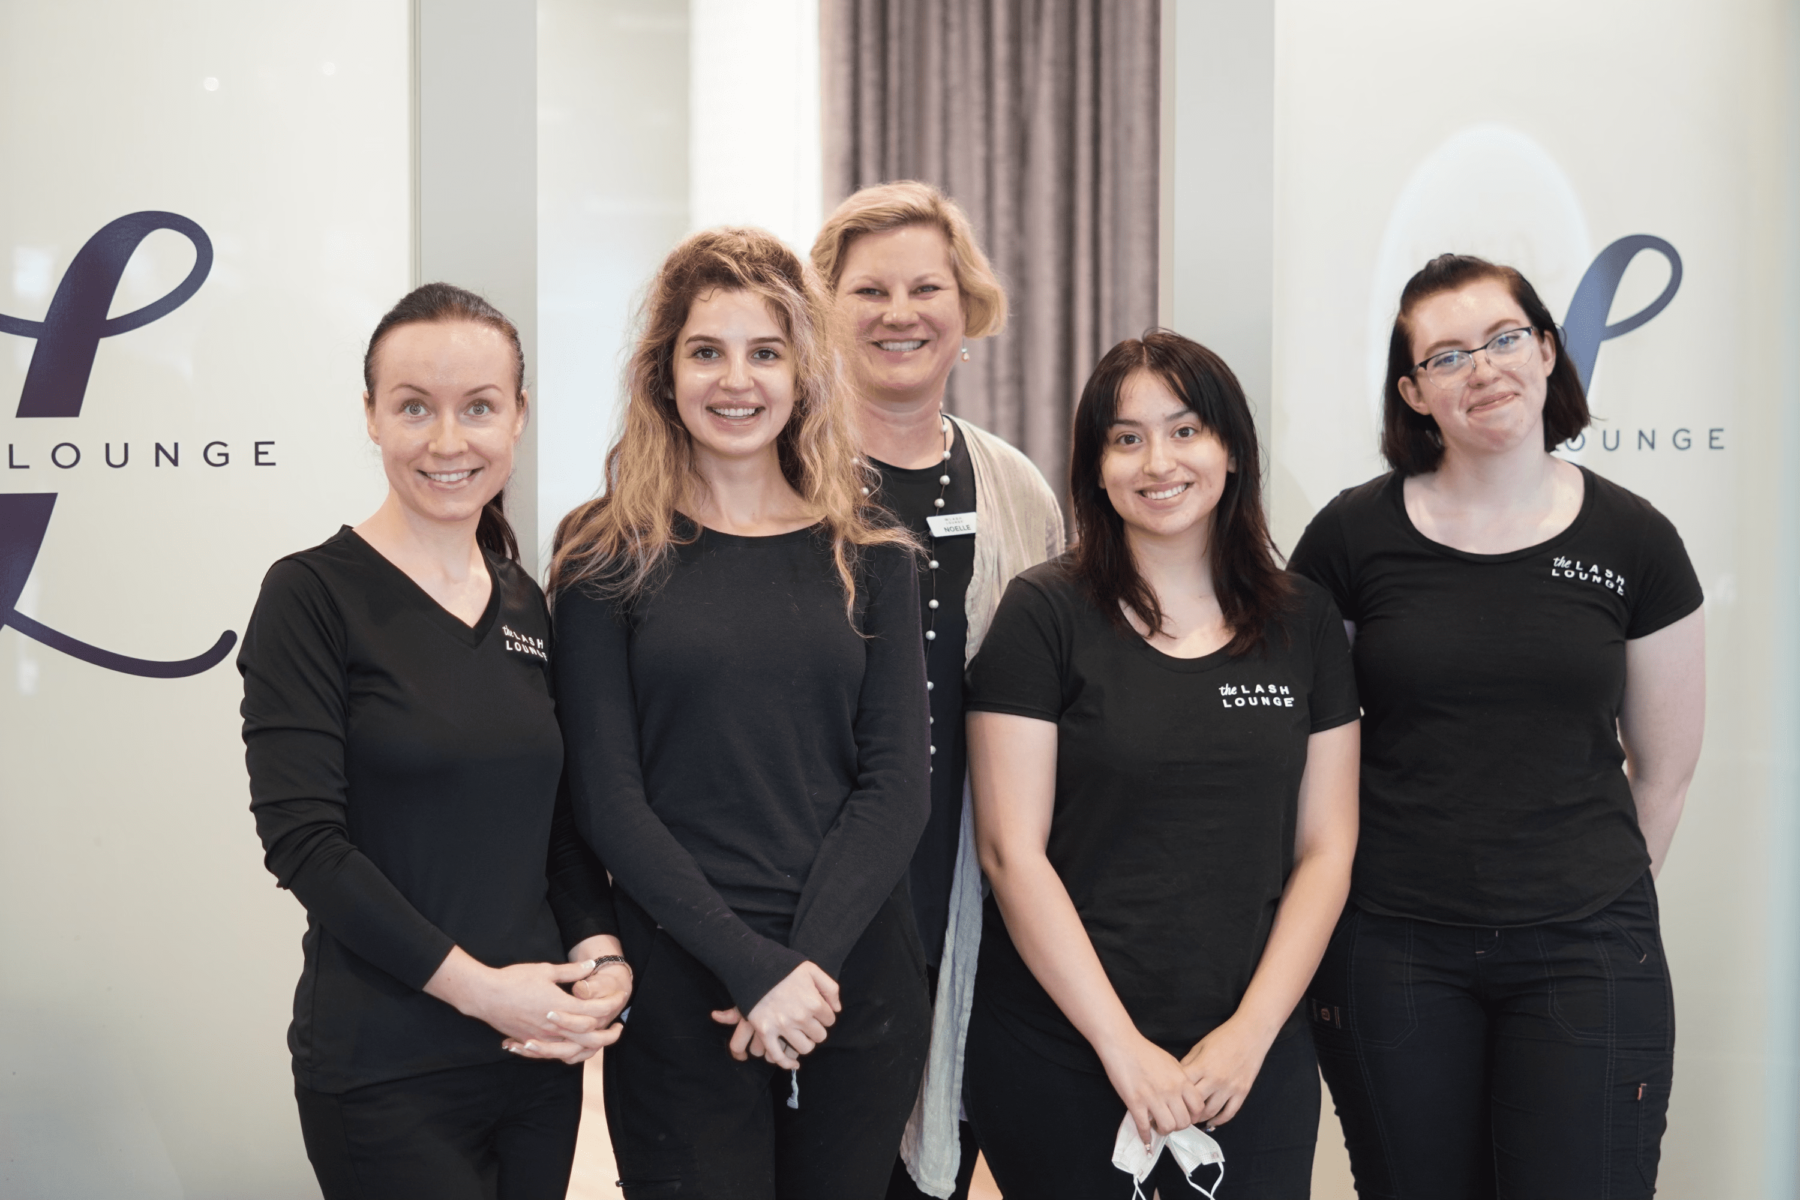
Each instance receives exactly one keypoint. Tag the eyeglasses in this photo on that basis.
(1503, 350)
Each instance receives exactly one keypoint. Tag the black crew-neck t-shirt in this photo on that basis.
(749, 765)
(403, 776)
(1177, 789)
(909, 495)
(1493, 788)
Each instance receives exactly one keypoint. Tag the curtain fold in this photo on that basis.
(1040, 117)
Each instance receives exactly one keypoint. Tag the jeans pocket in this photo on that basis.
(1639, 943)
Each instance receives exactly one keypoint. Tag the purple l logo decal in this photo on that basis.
(67, 340)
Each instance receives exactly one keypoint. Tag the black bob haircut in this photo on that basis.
(1410, 440)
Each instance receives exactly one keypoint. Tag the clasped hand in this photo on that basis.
(790, 1020)
(1207, 1086)
(528, 1004)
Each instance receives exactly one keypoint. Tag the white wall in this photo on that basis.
(1218, 184)
(147, 961)
(656, 118)
(756, 154)
(613, 199)
(1537, 136)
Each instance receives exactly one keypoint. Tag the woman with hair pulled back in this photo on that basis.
(912, 288)
(1493, 1014)
(1162, 747)
(743, 696)
(404, 764)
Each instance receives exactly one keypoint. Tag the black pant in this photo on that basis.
(499, 1131)
(1526, 1064)
(687, 1120)
(1048, 1130)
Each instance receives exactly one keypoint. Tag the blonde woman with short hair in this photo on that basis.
(911, 287)
(743, 700)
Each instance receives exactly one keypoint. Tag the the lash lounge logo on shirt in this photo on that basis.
(523, 643)
(1256, 695)
(1574, 568)
(68, 338)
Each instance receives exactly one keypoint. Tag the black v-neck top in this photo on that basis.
(750, 764)
(404, 771)
(1493, 783)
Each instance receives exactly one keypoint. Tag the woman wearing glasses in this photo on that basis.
(1493, 1014)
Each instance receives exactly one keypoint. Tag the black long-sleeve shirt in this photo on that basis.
(404, 776)
(750, 768)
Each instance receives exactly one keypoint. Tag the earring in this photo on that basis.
(965, 353)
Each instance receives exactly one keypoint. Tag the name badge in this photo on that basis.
(951, 524)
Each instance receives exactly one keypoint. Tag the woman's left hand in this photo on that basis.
(575, 1039)
(1223, 1065)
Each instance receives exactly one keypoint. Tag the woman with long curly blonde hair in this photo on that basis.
(742, 691)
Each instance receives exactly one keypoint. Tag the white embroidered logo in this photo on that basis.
(520, 643)
(1606, 577)
(1273, 695)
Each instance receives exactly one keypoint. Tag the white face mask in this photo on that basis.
(1191, 1148)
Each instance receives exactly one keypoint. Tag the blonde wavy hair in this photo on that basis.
(886, 206)
(619, 544)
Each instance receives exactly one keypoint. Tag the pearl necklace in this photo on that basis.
(931, 605)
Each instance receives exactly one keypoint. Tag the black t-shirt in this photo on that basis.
(750, 767)
(1177, 786)
(403, 775)
(1493, 789)
(910, 496)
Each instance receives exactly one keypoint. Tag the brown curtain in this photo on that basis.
(1040, 117)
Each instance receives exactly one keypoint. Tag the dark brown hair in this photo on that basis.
(437, 303)
(1410, 440)
(1250, 585)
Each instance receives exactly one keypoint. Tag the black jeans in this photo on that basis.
(689, 1121)
(499, 1131)
(1048, 1130)
(1520, 1064)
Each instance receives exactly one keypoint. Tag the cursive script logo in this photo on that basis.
(1586, 325)
(67, 339)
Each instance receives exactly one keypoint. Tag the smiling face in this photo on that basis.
(898, 293)
(734, 376)
(1486, 411)
(446, 416)
(1162, 470)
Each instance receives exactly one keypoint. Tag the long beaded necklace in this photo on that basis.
(931, 605)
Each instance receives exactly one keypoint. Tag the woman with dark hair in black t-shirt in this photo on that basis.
(404, 763)
(1494, 1013)
(1162, 744)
